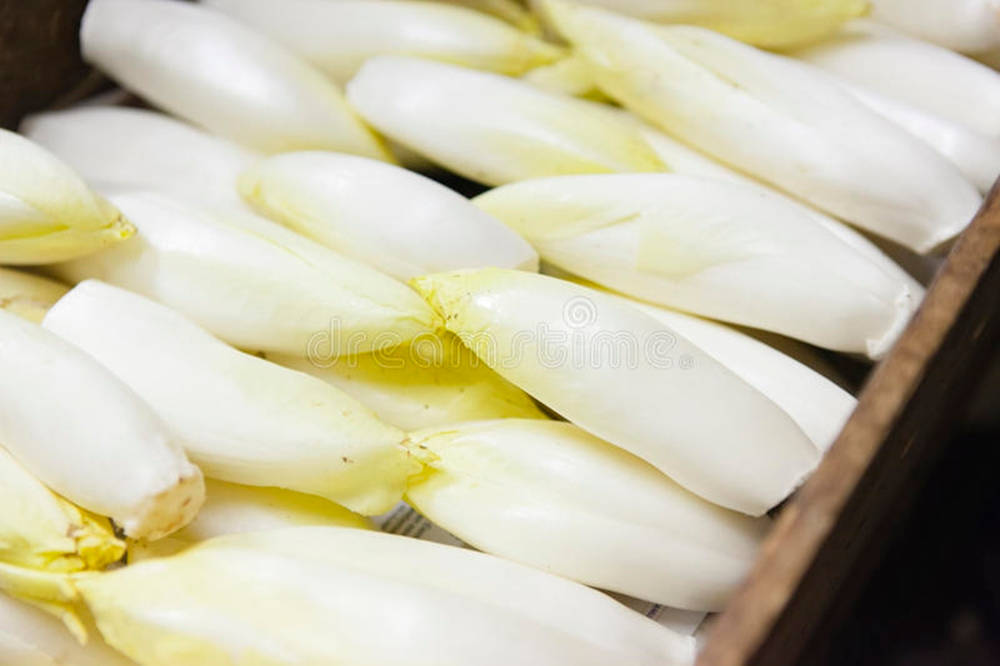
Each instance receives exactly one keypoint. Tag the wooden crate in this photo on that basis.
(829, 535)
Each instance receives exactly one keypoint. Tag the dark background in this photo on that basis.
(935, 596)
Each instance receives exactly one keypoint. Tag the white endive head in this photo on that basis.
(779, 119)
(31, 637)
(46, 212)
(240, 418)
(433, 381)
(976, 155)
(549, 495)
(87, 436)
(718, 249)
(337, 37)
(491, 128)
(236, 509)
(946, 83)
(110, 145)
(970, 26)
(40, 530)
(254, 283)
(323, 595)
(400, 222)
(818, 405)
(686, 161)
(621, 375)
(210, 69)
(769, 24)
(27, 295)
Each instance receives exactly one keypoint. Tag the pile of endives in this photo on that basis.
(247, 323)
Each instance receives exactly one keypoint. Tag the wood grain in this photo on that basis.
(829, 535)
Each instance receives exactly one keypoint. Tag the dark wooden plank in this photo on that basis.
(815, 555)
(39, 55)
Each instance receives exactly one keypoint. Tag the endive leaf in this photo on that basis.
(975, 154)
(491, 128)
(46, 212)
(210, 69)
(422, 227)
(683, 160)
(765, 23)
(40, 530)
(26, 295)
(241, 418)
(719, 249)
(356, 597)
(815, 403)
(619, 374)
(945, 83)
(547, 494)
(234, 509)
(31, 637)
(785, 122)
(337, 37)
(254, 283)
(431, 382)
(88, 437)
(118, 146)
(970, 26)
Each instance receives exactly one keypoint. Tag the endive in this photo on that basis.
(117, 146)
(491, 128)
(431, 382)
(325, 595)
(970, 26)
(766, 23)
(422, 227)
(46, 212)
(783, 121)
(818, 405)
(231, 508)
(337, 37)
(88, 437)
(621, 375)
(211, 70)
(31, 637)
(547, 494)
(976, 155)
(41, 530)
(241, 418)
(723, 250)
(254, 283)
(26, 295)
(949, 85)
(681, 159)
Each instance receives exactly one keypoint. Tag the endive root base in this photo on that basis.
(95, 547)
(167, 511)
